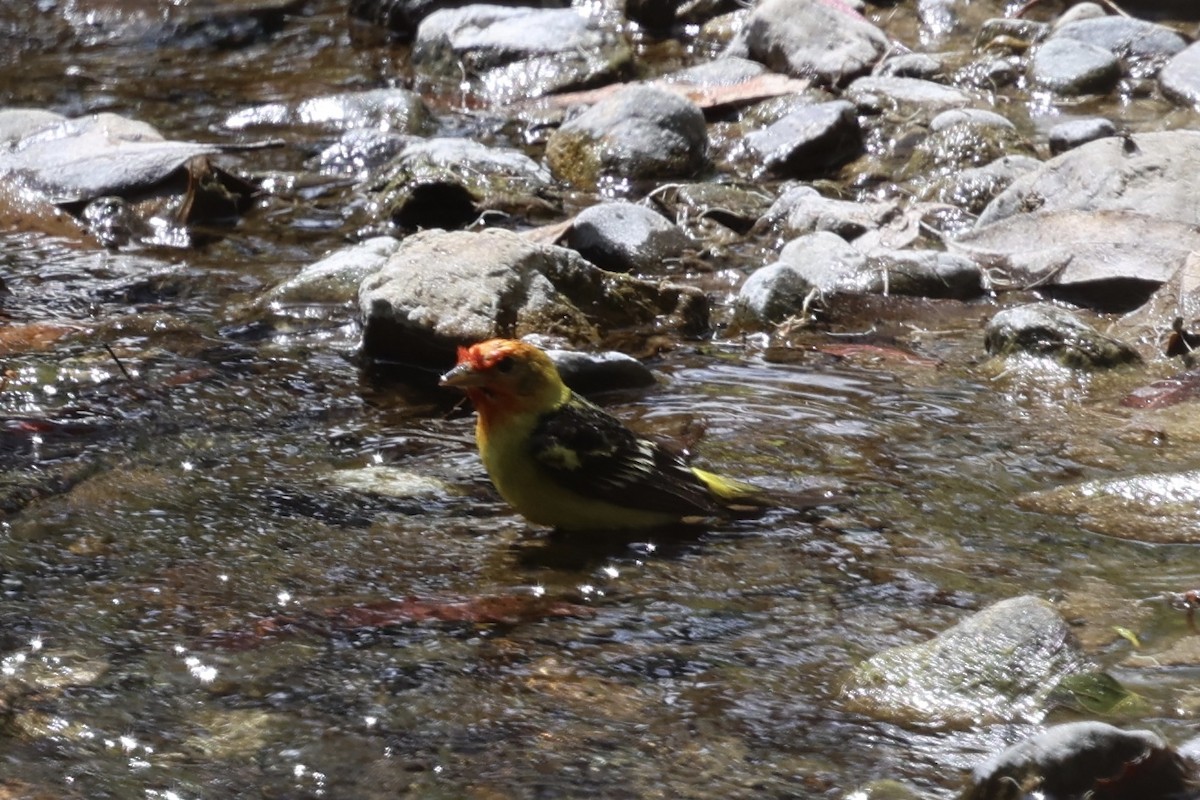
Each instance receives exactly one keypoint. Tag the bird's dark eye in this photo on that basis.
(504, 365)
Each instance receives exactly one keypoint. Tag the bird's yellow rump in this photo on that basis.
(560, 460)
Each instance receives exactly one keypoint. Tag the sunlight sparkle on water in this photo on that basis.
(284, 597)
(205, 673)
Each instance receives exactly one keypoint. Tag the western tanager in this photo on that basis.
(560, 460)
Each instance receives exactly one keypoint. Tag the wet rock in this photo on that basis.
(878, 94)
(440, 290)
(1105, 216)
(939, 17)
(1143, 46)
(999, 664)
(972, 189)
(975, 117)
(1070, 66)
(18, 123)
(390, 482)
(377, 109)
(1048, 330)
(518, 52)
(590, 373)
(1077, 12)
(823, 264)
(401, 17)
(1153, 174)
(802, 210)
(922, 66)
(1180, 78)
(1085, 759)
(972, 141)
(806, 267)
(450, 182)
(810, 38)
(1159, 508)
(625, 237)
(808, 142)
(1068, 135)
(885, 789)
(1003, 33)
(221, 24)
(1181, 652)
(1179, 388)
(334, 280)
(639, 133)
(150, 188)
(697, 207)
(925, 273)
(359, 152)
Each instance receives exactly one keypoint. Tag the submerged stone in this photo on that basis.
(1159, 508)
(376, 109)
(1047, 330)
(998, 665)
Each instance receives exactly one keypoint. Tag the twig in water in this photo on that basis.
(121, 366)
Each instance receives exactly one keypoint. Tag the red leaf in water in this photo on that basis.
(507, 609)
(1164, 393)
(499, 609)
(34, 337)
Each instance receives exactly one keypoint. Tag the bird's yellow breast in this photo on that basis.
(532, 490)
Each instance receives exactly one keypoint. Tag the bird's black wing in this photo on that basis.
(584, 449)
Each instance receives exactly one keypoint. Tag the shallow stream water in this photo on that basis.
(168, 608)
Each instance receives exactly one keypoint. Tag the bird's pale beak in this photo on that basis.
(463, 376)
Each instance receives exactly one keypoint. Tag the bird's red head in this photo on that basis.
(485, 355)
(504, 376)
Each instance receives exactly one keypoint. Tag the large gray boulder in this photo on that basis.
(443, 289)
(1108, 221)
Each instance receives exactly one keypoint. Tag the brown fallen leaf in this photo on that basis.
(33, 337)
(753, 90)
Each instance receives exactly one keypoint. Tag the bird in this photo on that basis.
(562, 461)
